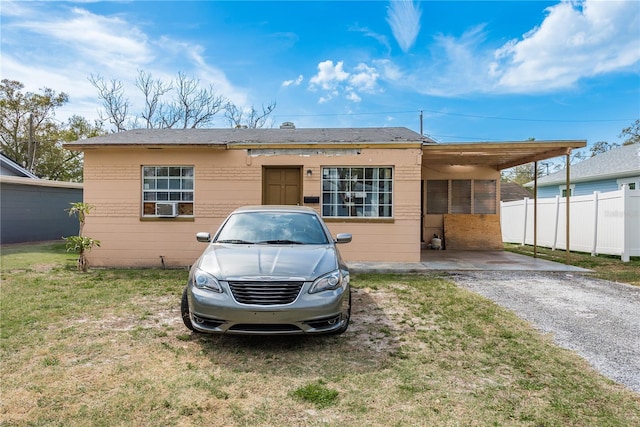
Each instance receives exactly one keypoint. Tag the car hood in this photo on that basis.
(306, 262)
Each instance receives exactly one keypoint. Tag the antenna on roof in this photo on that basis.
(421, 134)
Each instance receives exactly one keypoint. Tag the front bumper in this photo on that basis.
(220, 313)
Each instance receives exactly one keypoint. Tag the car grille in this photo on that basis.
(265, 293)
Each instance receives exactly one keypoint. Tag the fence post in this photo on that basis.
(556, 219)
(596, 202)
(626, 223)
(524, 229)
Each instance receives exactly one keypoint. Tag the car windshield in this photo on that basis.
(273, 228)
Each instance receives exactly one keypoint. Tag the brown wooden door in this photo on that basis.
(281, 186)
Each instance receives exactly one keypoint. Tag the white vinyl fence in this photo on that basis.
(600, 223)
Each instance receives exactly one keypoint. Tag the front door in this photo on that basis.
(281, 185)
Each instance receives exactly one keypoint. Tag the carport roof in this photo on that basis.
(501, 155)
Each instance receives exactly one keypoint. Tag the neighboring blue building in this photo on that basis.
(607, 171)
(33, 209)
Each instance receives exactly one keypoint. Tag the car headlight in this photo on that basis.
(203, 280)
(331, 281)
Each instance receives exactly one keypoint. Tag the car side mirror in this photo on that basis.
(343, 238)
(203, 237)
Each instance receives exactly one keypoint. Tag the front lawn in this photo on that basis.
(108, 348)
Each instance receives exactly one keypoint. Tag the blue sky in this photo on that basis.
(479, 71)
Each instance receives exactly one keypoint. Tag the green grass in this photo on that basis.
(108, 348)
(607, 267)
(317, 393)
(30, 256)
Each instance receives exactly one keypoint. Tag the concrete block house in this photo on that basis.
(392, 188)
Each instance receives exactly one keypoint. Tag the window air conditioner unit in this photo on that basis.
(167, 210)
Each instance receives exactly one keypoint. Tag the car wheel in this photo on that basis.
(344, 327)
(184, 310)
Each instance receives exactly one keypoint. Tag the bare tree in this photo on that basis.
(248, 117)
(190, 105)
(193, 106)
(153, 90)
(114, 102)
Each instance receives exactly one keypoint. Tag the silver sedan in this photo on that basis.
(269, 270)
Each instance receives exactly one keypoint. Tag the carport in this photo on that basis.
(467, 219)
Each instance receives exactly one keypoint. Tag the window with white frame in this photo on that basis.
(167, 191)
(631, 183)
(563, 190)
(349, 192)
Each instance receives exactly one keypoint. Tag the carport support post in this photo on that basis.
(567, 194)
(535, 209)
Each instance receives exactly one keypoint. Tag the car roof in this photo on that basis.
(276, 208)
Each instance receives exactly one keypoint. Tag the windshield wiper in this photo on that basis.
(280, 242)
(235, 242)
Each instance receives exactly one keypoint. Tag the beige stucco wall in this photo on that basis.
(224, 180)
(434, 224)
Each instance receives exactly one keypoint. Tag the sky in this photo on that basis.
(475, 70)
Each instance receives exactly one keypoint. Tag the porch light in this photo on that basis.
(309, 172)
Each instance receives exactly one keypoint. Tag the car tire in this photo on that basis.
(344, 327)
(184, 310)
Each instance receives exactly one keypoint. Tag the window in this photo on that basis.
(438, 196)
(461, 196)
(563, 190)
(631, 183)
(357, 192)
(167, 191)
(484, 196)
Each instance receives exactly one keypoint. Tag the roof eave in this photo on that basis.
(321, 145)
(86, 146)
(561, 180)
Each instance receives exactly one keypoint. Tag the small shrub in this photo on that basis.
(80, 244)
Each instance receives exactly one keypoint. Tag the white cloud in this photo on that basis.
(576, 40)
(382, 39)
(329, 75)
(69, 44)
(457, 66)
(364, 78)
(295, 82)
(404, 18)
(353, 97)
(107, 41)
(334, 80)
(390, 71)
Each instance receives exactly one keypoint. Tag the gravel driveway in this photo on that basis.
(598, 319)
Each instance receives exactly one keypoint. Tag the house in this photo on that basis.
(33, 209)
(392, 188)
(10, 168)
(607, 171)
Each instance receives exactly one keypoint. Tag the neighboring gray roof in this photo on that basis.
(222, 137)
(10, 168)
(616, 163)
(510, 191)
